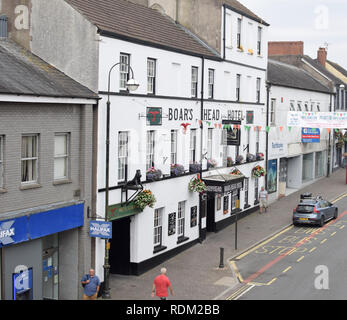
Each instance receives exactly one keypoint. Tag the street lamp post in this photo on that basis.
(132, 85)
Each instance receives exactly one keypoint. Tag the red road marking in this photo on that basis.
(299, 244)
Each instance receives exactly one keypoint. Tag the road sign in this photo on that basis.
(100, 229)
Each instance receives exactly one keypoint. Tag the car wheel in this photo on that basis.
(336, 214)
(321, 221)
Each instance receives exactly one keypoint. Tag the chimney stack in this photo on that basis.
(322, 56)
(3, 26)
(284, 48)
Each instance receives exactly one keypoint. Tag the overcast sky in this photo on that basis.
(316, 22)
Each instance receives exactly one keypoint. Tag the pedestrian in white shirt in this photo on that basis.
(263, 198)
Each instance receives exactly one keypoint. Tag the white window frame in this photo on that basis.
(195, 81)
(209, 142)
(258, 89)
(181, 212)
(34, 159)
(259, 40)
(239, 33)
(123, 154)
(124, 70)
(158, 228)
(151, 75)
(192, 146)
(174, 146)
(211, 80)
(246, 188)
(273, 112)
(257, 140)
(65, 156)
(238, 87)
(150, 149)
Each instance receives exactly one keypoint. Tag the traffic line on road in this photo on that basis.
(286, 270)
(279, 258)
(240, 292)
(236, 271)
(313, 249)
(324, 240)
(246, 253)
(333, 234)
(302, 257)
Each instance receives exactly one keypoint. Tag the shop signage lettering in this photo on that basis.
(235, 115)
(119, 211)
(332, 120)
(99, 229)
(180, 114)
(212, 115)
(310, 135)
(7, 232)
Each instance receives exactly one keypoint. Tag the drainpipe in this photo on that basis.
(329, 143)
(202, 137)
(268, 87)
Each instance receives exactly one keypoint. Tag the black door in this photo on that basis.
(120, 247)
(210, 219)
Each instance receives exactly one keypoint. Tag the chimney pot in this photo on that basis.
(322, 56)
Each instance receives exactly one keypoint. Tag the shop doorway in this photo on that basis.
(210, 219)
(50, 281)
(120, 247)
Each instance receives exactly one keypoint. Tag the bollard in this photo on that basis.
(221, 262)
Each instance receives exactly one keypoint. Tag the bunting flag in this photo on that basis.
(267, 129)
(281, 129)
(290, 129)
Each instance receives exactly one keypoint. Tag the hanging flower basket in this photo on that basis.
(145, 199)
(236, 172)
(197, 185)
(153, 174)
(176, 170)
(211, 163)
(195, 167)
(258, 172)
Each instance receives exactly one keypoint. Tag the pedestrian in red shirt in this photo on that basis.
(161, 285)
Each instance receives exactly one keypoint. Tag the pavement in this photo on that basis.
(195, 273)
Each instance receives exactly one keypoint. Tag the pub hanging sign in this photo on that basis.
(154, 116)
(233, 132)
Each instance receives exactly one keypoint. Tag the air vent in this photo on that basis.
(3, 26)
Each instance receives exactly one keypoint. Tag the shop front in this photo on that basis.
(223, 200)
(33, 249)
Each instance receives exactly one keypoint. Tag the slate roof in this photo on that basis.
(23, 73)
(338, 67)
(287, 75)
(240, 8)
(130, 21)
(318, 66)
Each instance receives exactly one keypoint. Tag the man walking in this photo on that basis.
(91, 284)
(161, 285)
(263, 199)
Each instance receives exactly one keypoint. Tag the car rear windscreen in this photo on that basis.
(304, 208)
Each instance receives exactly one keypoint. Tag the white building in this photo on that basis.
(192, 106)
(294, 159)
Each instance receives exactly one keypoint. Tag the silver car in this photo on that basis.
(314, 211)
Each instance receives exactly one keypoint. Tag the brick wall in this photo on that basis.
(286, 48)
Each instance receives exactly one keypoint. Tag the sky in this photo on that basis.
(319, 23)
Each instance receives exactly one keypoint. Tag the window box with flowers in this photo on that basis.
(176, 170)
(145, 199)
(197, 185)
(251, 157)
(260, 156)
(230, 162)
(239, 160)
(153, 174)
(258, 172)
(195, 167)
(211, 163)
